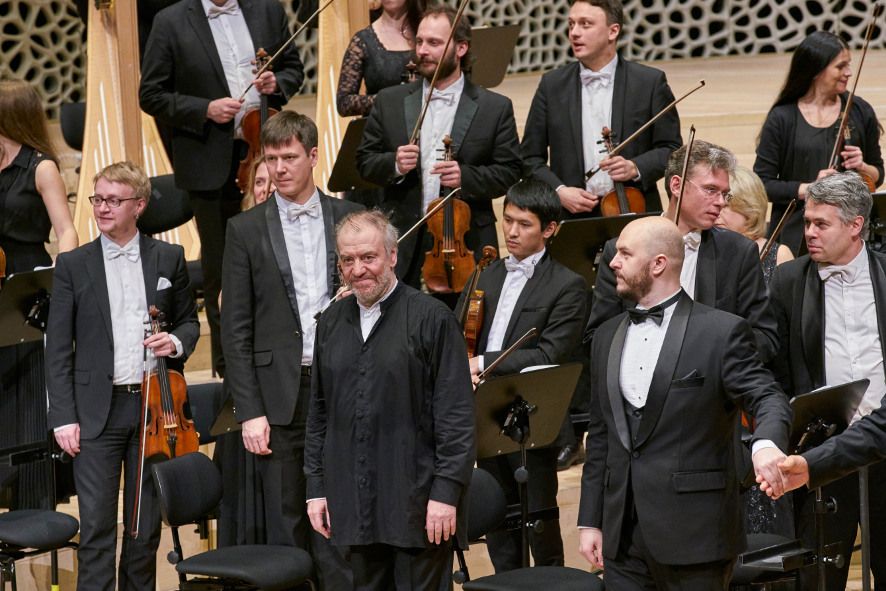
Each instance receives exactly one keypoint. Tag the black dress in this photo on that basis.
(24, 228)
(366, 59)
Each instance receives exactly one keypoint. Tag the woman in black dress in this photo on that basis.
(798, 136)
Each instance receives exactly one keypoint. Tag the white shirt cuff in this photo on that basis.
(315, 499)
(481, 362)
(63, 427)
(761, 444)
(178, 346)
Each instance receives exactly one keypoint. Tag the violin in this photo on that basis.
(449, 263)
(621, 199)
(251, 125)
(470, 315)
(166, 431)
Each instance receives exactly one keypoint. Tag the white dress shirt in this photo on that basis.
(851, 334)
(369, 316)
(639, 357)
(235, 50)
(305, 237)
(511, 289)
(691, 244)
(436, 125)
(596, 113)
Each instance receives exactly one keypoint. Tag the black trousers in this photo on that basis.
(97, 477)
(841, 527)
(379, 567)
(283, 485)
(505, 546)
(634, 569)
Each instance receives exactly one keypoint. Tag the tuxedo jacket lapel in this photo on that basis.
(706, 271)
(574, 97)
(412, 104)
(197, 20)
(618, 98)
(812, 324)
(496, 274)
(613, 387)
(878, 279)
(464, 115)
(664, 369)
(539, 277)
(329, 222)
(278, 245)
(95, 269)
(150, 264)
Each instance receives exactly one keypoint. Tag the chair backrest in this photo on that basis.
(72, 118)
(487, 505)
(189, 487)
(169, 207)
(205, 401)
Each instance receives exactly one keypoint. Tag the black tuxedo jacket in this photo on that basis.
(553, 127)
(681, 465)
(484, 142)
(261, 329)
(182, 73)
(728, 277)
(797, 301)
(79, 335)
(554, 301)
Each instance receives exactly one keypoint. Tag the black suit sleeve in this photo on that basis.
(376, 161)
(606, 303)
(534, 147)
(665, 136)
(288, 68)
(493, 178)
(775, 143)
(752, 300)
(780, 304)
(590, 509)
(60, 347)
(185, 324)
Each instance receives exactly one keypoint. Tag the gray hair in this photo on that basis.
(848, 193)
(704, 154)
(375, 218)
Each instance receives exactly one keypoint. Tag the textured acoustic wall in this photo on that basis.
(41, 40)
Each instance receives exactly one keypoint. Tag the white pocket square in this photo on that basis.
(163, 283)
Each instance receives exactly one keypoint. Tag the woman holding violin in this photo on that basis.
(798, 138)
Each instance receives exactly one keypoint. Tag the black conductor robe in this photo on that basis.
(391, 422)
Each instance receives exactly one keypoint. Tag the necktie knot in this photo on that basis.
(639, 316)
(692, 240)
(525, 266)
(114, 251)
(217, 11)
(296, 211)
(845, 273)
(447, 98)
(595, 79)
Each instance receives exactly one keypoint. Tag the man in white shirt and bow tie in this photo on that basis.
(279, 274)
(831, 328)
(600, 89)
(480, 123)
(198, 62)
(96, 355)
(660, 489)
(529, 289)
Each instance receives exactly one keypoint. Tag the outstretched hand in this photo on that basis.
(794, 473)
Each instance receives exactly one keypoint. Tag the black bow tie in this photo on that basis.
(655, 313)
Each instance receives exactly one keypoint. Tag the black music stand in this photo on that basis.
(344, 175)
(24, 306)
(494, 48)
(878, 221)
(523, 411)
(578, 244)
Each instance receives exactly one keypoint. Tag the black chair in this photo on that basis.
(188, 488)
(169, 207)
(72, 118)
(206, 401)
(28, 532)
(487, 508)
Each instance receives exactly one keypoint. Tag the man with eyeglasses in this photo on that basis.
(96, 353)
(721, 268)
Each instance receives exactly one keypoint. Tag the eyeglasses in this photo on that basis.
(712, 192)
(113, 202)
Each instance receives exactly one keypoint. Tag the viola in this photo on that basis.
(166, 431)
(251, 125)
(449, 263)
(471, 313)
(621, 199)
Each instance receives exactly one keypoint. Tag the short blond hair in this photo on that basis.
(129, 174)
(749, 199)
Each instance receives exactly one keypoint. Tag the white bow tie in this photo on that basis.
(525, 266)
(130, 252)
(597, 79)
(296, 211)
(444, 97)
(692, 240)
(846, 273)
(228, 8)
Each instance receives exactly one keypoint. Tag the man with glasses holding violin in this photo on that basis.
(95, 362)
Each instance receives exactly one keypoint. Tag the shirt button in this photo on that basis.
(363, 481)
(635, 454)
(364, 348)
(359, 414)
(362, 371)
(361, 459)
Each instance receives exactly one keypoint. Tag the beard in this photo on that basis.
(448, 65)
(367, 297)
(637, 287)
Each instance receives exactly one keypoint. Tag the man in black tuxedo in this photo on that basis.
(95, 359)
(197, 64)
(828, 306)
(600, 89)
(279, 275)
(528, 289)
(659, 504)
(486, 159)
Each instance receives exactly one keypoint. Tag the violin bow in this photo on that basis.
(283, 47)
(528, 335)
(617, 149)
(684, 172)
(844, 120)
(424, 109)
(440, 205)
(770, 242)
